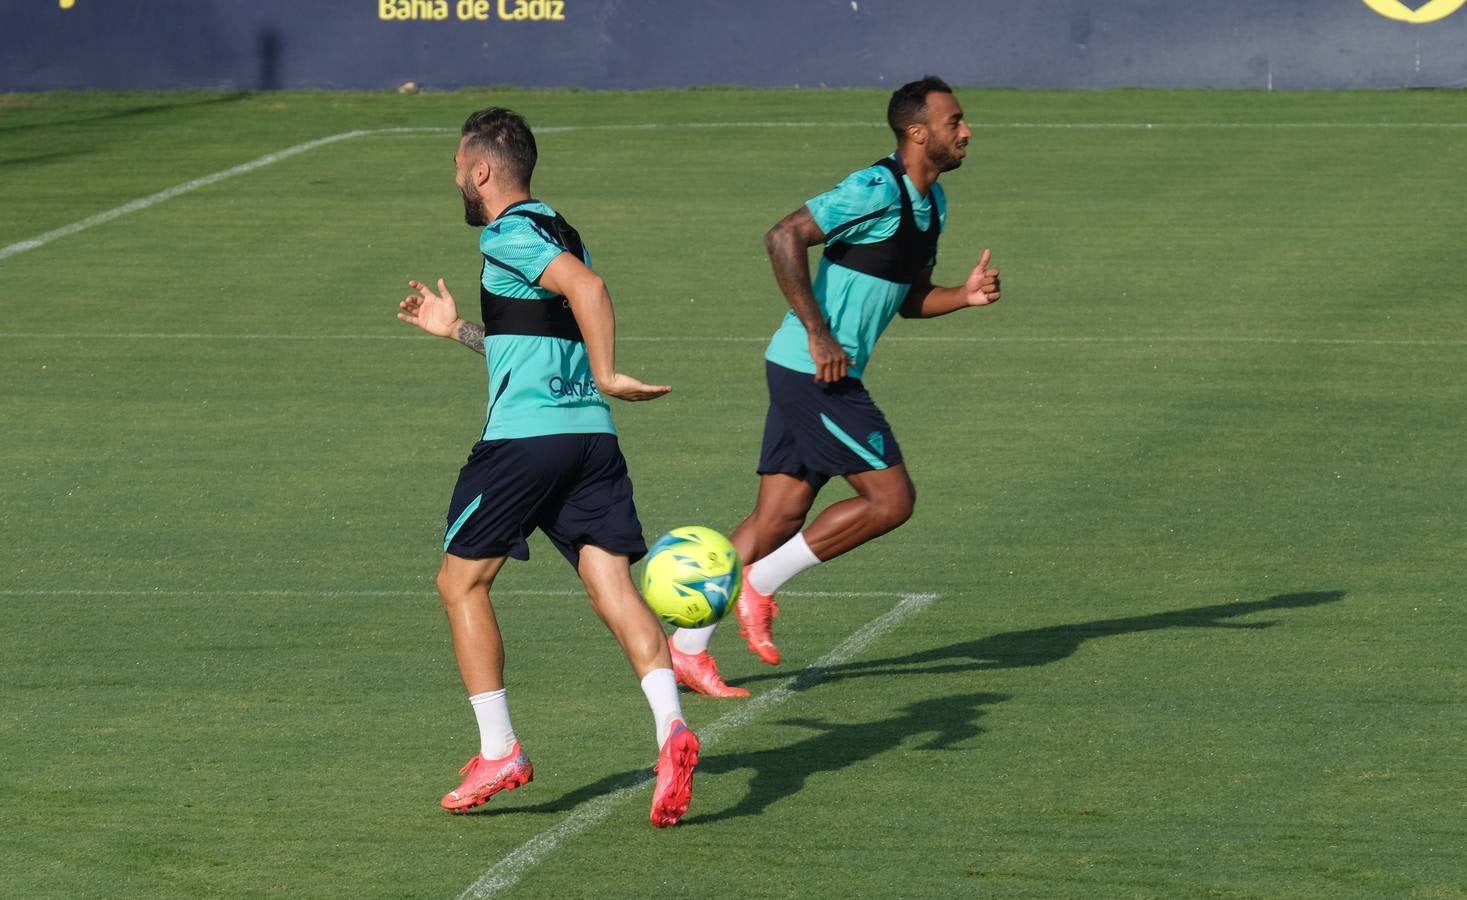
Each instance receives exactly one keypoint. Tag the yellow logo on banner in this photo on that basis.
(1428, 12)
(68, 4)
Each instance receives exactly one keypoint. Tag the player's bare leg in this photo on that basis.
(780, 510)
(609, 587)
(501, 763)
(884, 499)
(463, 584)
(608, 581)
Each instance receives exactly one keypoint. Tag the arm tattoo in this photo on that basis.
(471, 335)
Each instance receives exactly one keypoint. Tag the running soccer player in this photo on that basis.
(880, 228)
(548, 457)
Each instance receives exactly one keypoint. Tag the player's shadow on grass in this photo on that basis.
(1042, 646)
(780, 772)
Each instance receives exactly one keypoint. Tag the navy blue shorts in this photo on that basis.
(816, 431)
(573, 487)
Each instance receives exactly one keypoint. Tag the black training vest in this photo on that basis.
(901, 257)
(551, 317)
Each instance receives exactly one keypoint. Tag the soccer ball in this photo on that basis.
(692, 577)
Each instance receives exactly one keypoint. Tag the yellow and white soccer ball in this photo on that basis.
(692, 577)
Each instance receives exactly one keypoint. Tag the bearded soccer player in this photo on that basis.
(880, 228)
(548, 456)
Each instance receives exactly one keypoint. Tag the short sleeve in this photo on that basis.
(518, 246)
(853, 208)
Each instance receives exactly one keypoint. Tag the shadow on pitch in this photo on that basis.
(946, 721)
(781, 772)
(1042, 646)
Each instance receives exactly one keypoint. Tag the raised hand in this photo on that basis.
(982, 287)
(434, 313)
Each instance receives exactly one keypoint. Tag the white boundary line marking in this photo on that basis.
(727, 339)
(142, 203)
(512, 867)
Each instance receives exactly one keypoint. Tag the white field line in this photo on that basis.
(142, 203)
(151, 200)
(731, 339)
(512, 867)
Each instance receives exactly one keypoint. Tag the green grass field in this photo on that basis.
(1191, 504)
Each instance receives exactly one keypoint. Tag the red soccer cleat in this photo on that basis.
(487, 777)
(675, 766)
(755, 612)
(699, 672)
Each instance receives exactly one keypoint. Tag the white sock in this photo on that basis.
(661, 689)
(496, 735)
(692, 640)
(794, 556)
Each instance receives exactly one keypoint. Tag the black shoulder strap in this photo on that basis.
(551, 317)
(897, 173)
(557, 228)
(899, 258)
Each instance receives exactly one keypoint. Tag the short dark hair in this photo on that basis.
(909, 102)
(505, 135)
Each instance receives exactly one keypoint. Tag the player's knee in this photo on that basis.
(453, 588)
(898, 513)
(446, 588)
(895, 508)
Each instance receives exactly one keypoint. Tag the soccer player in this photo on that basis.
(880, 228)
(548, 457)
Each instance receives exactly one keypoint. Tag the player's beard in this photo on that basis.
(473, 206)
(944, 158)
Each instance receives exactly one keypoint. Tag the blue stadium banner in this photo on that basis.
(373, 44)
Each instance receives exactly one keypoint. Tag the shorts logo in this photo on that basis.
(877, 442)
(564, 387)
(855, 446)
(1431, 11)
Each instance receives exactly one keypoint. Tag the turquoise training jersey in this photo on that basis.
(862, 209)
(537, 385)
